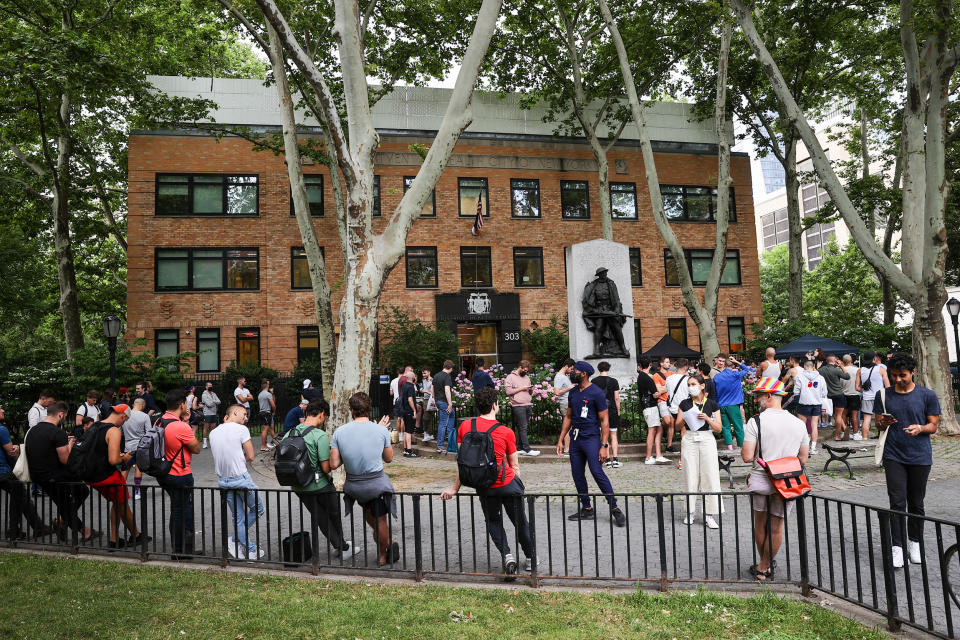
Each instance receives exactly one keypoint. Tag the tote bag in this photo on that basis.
(21, 470)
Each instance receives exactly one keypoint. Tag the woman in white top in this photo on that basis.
(699, 419)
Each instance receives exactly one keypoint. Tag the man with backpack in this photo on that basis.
(871, 378)
(179, 445)
(483, 441)
(306, 448)
(97, 458)
(90, 408)
(232, 448)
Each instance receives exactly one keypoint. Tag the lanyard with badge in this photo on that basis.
(583, 414)
(698, 434)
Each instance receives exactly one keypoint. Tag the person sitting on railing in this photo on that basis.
(784, 435)
(20, 505)
(362, 447)
(507, 491)
(699, 418)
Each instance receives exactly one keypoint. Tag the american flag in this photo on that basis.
(478, 222)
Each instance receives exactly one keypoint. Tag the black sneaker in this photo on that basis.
(413, 454)
(407, 453)
(618, 518)
(140, 539)
(673, 449)
(582, 514)
(119, 543)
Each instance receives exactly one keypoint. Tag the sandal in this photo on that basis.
(94, 534)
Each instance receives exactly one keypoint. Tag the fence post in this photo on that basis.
(143, 519)
(417, 541)
(889, 579)
(661, 527)
(532, 517)
(224, 530)
(314, 542)
(804, 554)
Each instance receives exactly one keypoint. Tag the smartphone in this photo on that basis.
(889, 416)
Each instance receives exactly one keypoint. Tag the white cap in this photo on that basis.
(306, 383)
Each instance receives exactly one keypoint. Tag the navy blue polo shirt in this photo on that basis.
(595, 400)
(481, 380)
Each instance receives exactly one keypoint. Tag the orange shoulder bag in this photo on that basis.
(786, 474)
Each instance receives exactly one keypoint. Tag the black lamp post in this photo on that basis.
(111, 329)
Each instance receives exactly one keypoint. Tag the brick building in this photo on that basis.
(215, 263)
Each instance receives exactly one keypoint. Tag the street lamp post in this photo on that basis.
(953, 308)
(111, 329)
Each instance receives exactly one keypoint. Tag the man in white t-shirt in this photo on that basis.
(38, 412)
(781, 435)
(243, 395)
(90, 408)
(561, 389)
(871, 378)
(232, 448)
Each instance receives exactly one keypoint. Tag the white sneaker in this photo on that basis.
(256, 553)
(204, 443)
(661, 459)
(914, 549)
(711, 523)
(350, 551)
(533, 452)
(856, 436)
(650, 461)
(427, 437)
(897, 553)
(689, 520)
(136, 494)
(234, 550)
(813, 450)
(270, 445)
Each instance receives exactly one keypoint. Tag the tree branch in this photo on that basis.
(21, 156)
(246, 23)
(366, 21)
(107, 13)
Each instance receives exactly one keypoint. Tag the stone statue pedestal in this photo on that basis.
(582, 262)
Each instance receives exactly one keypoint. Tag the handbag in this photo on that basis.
(787, 475)
(21, 470)
(878, 452)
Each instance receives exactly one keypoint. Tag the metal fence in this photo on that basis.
(833, 546)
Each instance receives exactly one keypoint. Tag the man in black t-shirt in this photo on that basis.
(405, 417)
(611, 388)
(48, 448)
(443, 396)
(647, 393)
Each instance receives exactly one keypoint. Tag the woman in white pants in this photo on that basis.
(699, 419)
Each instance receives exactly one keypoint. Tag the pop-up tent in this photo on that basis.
(670, 348)
(809, 343)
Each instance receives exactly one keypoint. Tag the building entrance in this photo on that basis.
(477, 340)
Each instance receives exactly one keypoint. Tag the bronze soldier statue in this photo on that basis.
(603, 315)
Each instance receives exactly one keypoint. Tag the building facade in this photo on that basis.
(216, 266)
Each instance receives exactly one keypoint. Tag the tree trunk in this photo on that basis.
(301, 208)
(933, 360)
(794, 231)
(63, 246)
(603, 182)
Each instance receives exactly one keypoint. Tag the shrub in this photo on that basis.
(550, 344)
(408, 341)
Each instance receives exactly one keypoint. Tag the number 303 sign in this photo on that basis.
(511, 336)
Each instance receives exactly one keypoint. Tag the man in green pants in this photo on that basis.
(729, 384)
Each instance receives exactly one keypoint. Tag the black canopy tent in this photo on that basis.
(670, 348)
(809, 343)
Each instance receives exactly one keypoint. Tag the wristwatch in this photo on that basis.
(605, 445)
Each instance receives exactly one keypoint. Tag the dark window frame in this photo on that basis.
(741, 321)
(190, 184)
(636, 203)
(157, 259)
(713, 196)
(406, 187)
(635, 251)
(323, 195)
(293, 258)
(586, 192)
(259, 344)
(376, 210)
(489, 268)
(516, 273)
(198, 339)
(683, 327)
(300, 331)
(436, 267)
(473, 211)
(157, 340)
(515, 188)
(689, 259)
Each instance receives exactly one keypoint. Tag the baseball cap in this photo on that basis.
(306, 383)
(770, 385)
(120, 408)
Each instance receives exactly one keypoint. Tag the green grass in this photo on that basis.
(44, 597)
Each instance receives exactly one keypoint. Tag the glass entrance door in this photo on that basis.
(476, 340)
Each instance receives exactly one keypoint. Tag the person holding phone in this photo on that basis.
(910, 413)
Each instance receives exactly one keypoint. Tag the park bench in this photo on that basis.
(845, 450)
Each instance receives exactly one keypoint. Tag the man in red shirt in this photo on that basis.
(507, 491)
(180, 443)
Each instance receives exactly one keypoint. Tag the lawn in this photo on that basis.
(46, 597)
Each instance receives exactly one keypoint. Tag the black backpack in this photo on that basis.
(83, 462)
(477, 460)
(292, 465)
(151, 451)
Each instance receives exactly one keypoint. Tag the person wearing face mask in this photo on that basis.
(519, 390)
(699, 419)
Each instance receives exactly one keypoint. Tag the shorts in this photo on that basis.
(407, 423)
(614, 421)
(379, 506)
(766, 498)
(651, 416)
(112, 488)
(213, 419)
(866, 405)
(810, 410)
(853, 403)
(839, 402)
(664, 409)
(266, 418)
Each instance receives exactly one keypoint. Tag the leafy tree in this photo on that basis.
(407, 341)
(774, 279)
(549, 344)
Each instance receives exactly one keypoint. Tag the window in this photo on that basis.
(166, 342)
(314, 185)
(693, 204)
(636, 336)
(207, 269)
(524, 198)
(636, 269)
(470, 191)
(376, 197)
(206, 195)
(574, 199)
(736, 334)
(775, 229)
(208, 349)
(248, 346)
(308, 346)
(476, 270)
(677, 328)
(421, 267)
(623, 200)
(698, 262)
(430, 206)
(300, 269)
(528, 266)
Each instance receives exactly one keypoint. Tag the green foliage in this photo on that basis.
(549, 344)
(774, 284)
(407, 341)
(254, 374)
(308, 369)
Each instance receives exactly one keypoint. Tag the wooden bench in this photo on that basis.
(843, 451)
